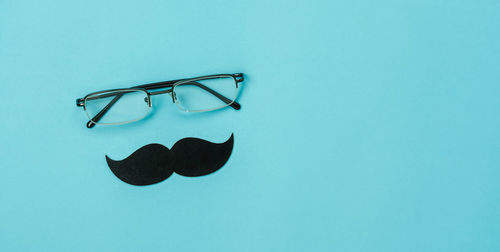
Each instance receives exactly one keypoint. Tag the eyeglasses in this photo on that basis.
(126, 105)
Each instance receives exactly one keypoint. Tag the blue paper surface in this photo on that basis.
(365, 125)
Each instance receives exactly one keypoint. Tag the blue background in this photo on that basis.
(365, 125)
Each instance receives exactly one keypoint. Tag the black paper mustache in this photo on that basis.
(153, 163)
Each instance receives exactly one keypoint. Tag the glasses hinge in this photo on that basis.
(238, 77)
(79, 102)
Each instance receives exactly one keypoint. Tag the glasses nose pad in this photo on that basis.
(174, 97)
(147, 100)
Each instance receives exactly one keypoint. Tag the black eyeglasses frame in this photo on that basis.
(167, 85)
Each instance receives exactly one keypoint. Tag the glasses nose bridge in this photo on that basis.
(160, 92)
(167, 91)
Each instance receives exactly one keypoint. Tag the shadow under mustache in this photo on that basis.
(153, 163)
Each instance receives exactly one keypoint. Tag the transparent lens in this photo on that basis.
(120, 106)
(205, 94)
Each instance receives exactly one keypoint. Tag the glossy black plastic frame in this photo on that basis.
(167, 86)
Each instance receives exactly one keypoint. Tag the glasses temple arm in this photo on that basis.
(164, 84)
(101, 113)
(226, 100)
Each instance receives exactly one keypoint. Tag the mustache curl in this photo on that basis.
(189, 157)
